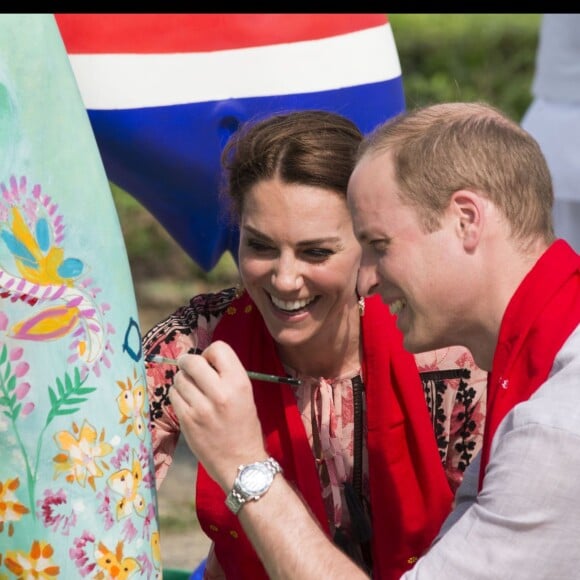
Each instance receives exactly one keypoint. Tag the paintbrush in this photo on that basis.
(154, 358)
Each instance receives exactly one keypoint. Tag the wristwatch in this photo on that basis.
(252, 482)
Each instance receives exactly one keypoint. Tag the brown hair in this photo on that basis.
(440, 149)
(311, 147)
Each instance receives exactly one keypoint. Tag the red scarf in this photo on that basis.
(539, 318)
(410, 496)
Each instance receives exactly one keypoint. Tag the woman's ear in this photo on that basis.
(468, 210)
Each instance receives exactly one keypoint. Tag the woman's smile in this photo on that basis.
(292, 306)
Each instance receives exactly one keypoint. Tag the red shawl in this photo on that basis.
(541, 315)
(410, 496)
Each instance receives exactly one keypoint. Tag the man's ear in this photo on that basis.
(468, 211)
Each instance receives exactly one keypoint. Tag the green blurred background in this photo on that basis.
(444, 57)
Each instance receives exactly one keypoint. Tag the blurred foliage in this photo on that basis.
(467, 57)
(153, 253)
(444, 57)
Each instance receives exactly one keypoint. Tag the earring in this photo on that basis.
(239, 290)
(361, 306)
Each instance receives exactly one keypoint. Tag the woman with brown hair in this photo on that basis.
(376, 464)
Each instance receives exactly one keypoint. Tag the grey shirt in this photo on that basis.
(525, 522)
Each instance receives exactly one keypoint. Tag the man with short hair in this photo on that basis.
(452, 206)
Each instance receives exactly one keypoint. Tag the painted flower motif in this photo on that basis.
(81, 452)
(129, 531)
(21, 391)
(156, 548)
(121, 456)
(49, 324)
(16, 354)
(126, 483)
(11, 510)
(131, 404)
(33, 232)
(114, 564)
(80, 556)
(54, 511)
(12, 387)
(145, 459)
(37, 564)
(106, 508)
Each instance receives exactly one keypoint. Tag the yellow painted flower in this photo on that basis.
(126, 482)
(132, 405)
(81, 452)
(113, 564)
(36, 265)
(156, 548)
(36, 565)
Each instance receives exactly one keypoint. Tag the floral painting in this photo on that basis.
(77, 495)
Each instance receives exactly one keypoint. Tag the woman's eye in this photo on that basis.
(259, 246)
(319, 253)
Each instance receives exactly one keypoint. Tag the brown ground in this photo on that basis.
(183, 543)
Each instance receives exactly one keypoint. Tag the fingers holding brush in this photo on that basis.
(213, 400)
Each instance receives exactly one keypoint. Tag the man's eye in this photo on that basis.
(380, 246)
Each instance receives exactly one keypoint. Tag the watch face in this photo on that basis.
(255, 479)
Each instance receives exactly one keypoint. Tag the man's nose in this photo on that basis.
(367, 279)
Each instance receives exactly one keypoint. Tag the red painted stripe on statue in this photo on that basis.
(171, 33)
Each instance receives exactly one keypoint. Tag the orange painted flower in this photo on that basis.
(37, 564)
(11, 510)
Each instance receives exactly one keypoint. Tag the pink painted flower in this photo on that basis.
(106, 509)
(56, 512)
(16, 353)
(21, 391)
(129, 531)
(83, 546)
(21, 369)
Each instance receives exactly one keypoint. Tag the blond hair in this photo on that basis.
(440, 149)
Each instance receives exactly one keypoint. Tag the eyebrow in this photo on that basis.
(313, 242)
(366, 238)
(361, 236)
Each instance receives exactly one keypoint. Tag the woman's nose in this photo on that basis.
(287, 275)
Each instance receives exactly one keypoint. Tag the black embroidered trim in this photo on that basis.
(445, 375)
